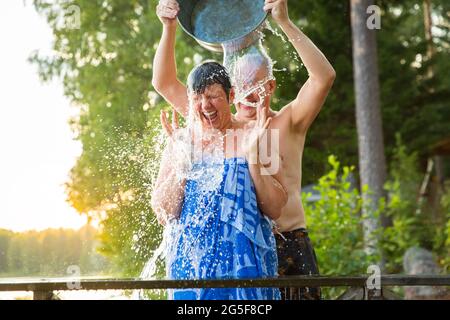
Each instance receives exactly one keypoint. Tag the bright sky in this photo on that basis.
(36, 146)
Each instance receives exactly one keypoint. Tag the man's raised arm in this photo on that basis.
(165, 79)
(313, 93)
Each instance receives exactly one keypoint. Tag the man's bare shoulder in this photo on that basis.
(282, 118)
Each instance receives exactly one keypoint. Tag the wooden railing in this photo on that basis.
(359, 288)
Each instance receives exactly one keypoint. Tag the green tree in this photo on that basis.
(50, 252)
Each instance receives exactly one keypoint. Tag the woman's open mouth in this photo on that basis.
(211, 115)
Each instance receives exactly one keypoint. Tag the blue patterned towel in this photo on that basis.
(222, 235)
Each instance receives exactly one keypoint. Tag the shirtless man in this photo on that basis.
(295, 252)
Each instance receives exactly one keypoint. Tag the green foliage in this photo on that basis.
(335, 220)
(411, 225)
(402, 190)
(49, 253)
(411, 102)
(335, 223)
(442, 237)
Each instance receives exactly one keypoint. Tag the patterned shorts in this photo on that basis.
(296, 256)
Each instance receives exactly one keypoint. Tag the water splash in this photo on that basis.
(171, 231)
(276, 32)
(249, 67)
(289, 50)
(189, 147)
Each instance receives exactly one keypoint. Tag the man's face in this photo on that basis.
(212, 107)
(253, 93)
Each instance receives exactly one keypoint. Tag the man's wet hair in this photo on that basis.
(251, 62)
(207, 74)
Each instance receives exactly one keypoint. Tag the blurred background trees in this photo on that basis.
(50, 252)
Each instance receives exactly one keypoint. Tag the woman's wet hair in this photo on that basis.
(207, 74)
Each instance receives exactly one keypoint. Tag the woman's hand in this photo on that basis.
(168, 192)
(167, 11)
(279, 10)
(173, 146)
(177, 151)
(169, 129)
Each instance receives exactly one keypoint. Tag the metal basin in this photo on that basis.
(214, 22)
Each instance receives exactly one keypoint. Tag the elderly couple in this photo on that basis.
(252, 223)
